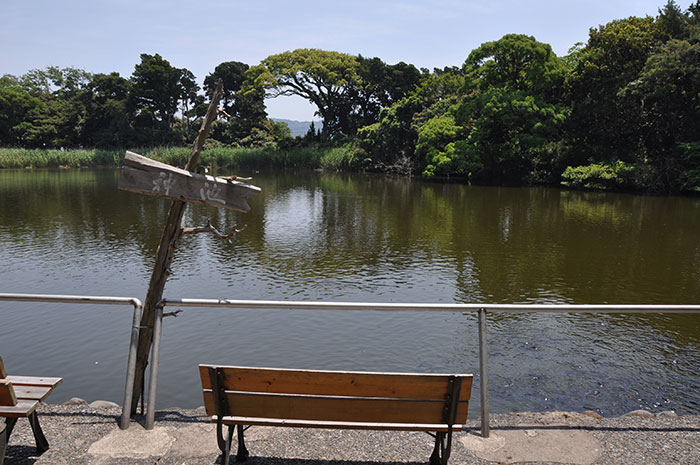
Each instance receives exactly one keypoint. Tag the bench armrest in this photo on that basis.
(7, 394)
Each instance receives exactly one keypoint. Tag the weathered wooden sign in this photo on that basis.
(146, 176)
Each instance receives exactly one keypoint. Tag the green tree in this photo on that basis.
(391, 141)
(379, 86)
(232, 75)
(15, 106)
(514, 134)
(666, 95)
(393, 137)
(268, 134)
(601, 126)
(672, 22)
(693, 20)
(245, 110)
(107, 121)
(440, 85)
(54, 82)
(322, 77)
(157, 90)
(58, 121)
(189, 98)
(518, 62)
(444, 150)
(509, 119)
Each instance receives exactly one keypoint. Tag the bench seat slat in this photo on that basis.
(334, 424)
(32, 392)
(338, 383)
(332, 408)
(34, 381)
(22, 409)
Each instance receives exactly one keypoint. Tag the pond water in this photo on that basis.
(342, 237)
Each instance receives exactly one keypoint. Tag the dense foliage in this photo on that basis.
(621, 111)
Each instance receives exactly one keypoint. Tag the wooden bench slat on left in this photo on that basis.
(38, 381)
(19, 397)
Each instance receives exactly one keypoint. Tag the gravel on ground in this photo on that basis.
(81, 434)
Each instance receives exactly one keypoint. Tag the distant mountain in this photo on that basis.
(299, 128)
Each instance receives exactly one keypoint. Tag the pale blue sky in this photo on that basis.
(105, 36)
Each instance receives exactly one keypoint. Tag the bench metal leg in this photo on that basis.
(3, 442)
(225, 444)
(9, 426)
(242, 453)
(5, 437)
(42, 445)
(435, 456)
(442, 449)
(226, 450)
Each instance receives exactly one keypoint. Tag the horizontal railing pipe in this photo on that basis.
(99, 300)
(427, 307)
(75, 299)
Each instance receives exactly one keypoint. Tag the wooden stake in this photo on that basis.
(164, 256)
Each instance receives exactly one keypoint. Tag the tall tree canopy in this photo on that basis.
(322, 77)
(601, 125)
(516, 61)
(379, 86)
(158, 88)
(233, 75)
(15, 107)
(245, 110)
(507, 119)
(107, 121)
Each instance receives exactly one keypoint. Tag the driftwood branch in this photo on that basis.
(402, 166)
(211, 229)
(164, 257)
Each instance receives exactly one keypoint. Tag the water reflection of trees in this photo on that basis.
(374, 237)
(494, 244)
(72, 210)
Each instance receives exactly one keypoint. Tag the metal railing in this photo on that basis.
(100, 300)
(481, 309)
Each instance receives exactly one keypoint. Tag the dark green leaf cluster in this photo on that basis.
(621, 111)
(158, 105)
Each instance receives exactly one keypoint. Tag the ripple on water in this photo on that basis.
(366, 239)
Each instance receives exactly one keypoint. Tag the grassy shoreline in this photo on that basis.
(220, 157)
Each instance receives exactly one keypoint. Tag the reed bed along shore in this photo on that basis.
(219, 157)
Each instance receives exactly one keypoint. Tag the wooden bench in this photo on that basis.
(19, 397)
(238, 396)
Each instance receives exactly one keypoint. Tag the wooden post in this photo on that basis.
(164, 256)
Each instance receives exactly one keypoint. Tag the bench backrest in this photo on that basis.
(336, 396)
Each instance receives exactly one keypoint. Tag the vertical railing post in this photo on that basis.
(131, 365)
(155, 358)
(484, 373)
